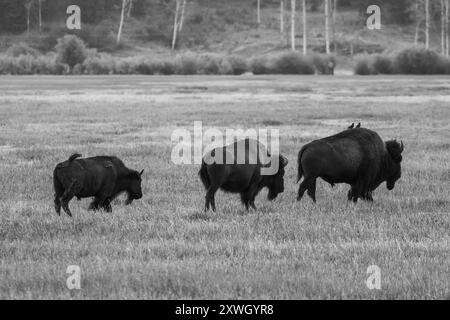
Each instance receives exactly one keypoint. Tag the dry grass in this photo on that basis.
(164, 246)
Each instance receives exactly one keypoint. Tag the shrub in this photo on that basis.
(238, 65)
(382, 65)
(21, 48)
(125, 66)
(292, 63)
(28, 64)
(187, 64)
(102, 64)
(419, 61)
(324, 64)
(167, 67)
(260, 65)
(362, 66)
(71, 50)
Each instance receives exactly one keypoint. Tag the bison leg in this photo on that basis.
(209, 199)
(95, 205)
(309, 183)
(66, 197)
(107, 206)
(57, 204)
(245, 200)
(312, 190)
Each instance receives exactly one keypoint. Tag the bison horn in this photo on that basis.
(140, 173)
(402, 147)
(285, 161)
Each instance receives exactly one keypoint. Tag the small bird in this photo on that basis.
(359, 125)
(352, 126)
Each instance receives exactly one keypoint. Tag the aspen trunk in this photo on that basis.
(40, 15)
(122, 18)
(305, 32)
(183, 9)
(175, 25)
(443, 27)
(258, 12)
(427, 24)
(447, 31)
(327, 27)
(293, 25)
(281, 17)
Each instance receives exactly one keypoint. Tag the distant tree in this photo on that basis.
(258, 12)
(305, 31)
(447, 31)
(281, 17)
(427, 24)
(327, 26)
(183, 9)
(28, 4)
(443, 35)
(293, 25)
(122, 18)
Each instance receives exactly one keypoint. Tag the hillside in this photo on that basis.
(223, 28)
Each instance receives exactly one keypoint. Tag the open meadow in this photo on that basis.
(165, 247)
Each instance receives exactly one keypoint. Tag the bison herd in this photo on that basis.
(356, 156)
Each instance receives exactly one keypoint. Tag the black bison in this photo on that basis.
(244, 177)
(357, 157)
(101, 177)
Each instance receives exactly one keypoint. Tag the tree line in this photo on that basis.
(426, 15)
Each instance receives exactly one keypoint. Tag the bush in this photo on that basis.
(187, 64)
(21, 48)
(102, 64)
(238, 65)
(293, 63)
(419, 61)
(28, 64)
(382, 65)
(324, 64)
(362, 67)
(260, 65)
(71, 50)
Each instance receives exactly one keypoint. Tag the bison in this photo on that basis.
(101, 177)
(357, 157)
(243, 177)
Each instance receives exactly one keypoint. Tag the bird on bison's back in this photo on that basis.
(245, 178)
(102, 177)
(357, 157)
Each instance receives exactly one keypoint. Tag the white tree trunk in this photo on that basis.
(281, 17)
(122, 18)
(305, 32)
(327, 27)
(176, 24)
(334, 13)
(183, 9)
(130, 8)
(293, 25)
(447, 31)
(442, 27)
(258, 12)
(427, 24)
(40, 15)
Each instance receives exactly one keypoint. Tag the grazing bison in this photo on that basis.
(101, 177)
(243, 177)
(357, 157)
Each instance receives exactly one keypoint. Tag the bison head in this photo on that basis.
(394, 169)
(276, 181)
(134, 187)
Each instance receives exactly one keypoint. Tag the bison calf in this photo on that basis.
(243, 177)
(101, 177)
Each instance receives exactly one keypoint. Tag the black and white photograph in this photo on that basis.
(246, 151)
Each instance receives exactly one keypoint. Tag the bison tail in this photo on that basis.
(203, 173)
(299, 163)
(74, 156)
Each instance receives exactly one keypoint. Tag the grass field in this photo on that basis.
(164, 246)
